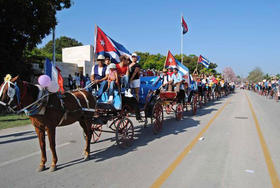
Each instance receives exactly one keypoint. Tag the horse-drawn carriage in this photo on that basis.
(117, 114)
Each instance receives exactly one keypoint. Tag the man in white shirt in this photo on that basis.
(99, 74)
(176, 79)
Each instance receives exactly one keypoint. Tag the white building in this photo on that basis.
(76, 59)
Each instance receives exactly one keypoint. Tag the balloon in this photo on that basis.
(53, 87)
(44, 80)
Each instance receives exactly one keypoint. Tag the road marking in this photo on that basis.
(163, 177)
(29, 155)
(269, 163)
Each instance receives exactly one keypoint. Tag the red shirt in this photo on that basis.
(121, 70)
(150, 73)
(170, 73)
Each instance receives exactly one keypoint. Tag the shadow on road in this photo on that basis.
(145, 135)
(18, 134)
(26, 135)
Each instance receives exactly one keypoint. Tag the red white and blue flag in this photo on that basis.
(184, 26)
(54, 73)
(171, 61)
(202, 60)
(104, 45)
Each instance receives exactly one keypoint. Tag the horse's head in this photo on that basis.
(10, 93)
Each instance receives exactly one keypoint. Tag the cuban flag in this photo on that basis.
(184, 26)
(202, 60)
(106, 46)
(54, 73)
(171, 61)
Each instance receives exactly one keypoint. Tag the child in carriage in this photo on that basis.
(113, 81)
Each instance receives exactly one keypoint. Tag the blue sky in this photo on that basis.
(241, 34)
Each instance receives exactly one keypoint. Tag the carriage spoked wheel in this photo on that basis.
(194, 105)
(179, 112)
(96, 132)
(157, 118)
(124, 133)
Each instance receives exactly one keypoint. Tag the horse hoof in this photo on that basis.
(41, 168)
(52, 168)
(86, 158)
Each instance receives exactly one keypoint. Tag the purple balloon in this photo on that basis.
(44, 80)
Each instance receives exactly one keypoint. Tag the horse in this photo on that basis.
(49, 111)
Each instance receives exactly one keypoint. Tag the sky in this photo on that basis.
(242, 34)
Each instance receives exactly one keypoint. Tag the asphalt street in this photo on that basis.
(227, 144)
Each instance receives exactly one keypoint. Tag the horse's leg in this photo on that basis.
(42, 143)
(87, 130)
(51, 135)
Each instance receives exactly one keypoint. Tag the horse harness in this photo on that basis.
(39, 106)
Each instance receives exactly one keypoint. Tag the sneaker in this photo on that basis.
(111, 98)
(128, 93)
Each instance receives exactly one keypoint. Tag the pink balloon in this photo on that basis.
(53, 87)
(44, 80)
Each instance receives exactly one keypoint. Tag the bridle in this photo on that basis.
(11, 93)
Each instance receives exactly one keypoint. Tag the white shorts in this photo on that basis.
(135, 83)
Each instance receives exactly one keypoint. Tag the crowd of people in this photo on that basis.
(77, 81)
(268, 88)
(110, 77)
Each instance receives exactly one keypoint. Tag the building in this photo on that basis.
(76, 59)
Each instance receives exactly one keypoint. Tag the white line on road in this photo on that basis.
(29, 155)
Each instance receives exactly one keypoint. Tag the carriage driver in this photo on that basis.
(99, 74)
(165, 78)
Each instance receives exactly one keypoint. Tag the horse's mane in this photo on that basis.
(33, 88)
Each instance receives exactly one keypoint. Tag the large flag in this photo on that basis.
(106, 46)
(202, 60)
(184, 26)
(54, 73)
(171, 61)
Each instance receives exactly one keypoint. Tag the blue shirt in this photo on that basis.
(177, 78)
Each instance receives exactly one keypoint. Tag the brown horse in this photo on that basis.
(53, 111)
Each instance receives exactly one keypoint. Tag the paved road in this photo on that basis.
(224, 145)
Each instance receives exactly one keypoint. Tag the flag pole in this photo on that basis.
(53, 40)
(182, 38)
(94, 43)
(165, 60)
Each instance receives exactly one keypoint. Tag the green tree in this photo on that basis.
(148, 61)
(255, 75)
(24, 23)
(61, 42)
(266, 76)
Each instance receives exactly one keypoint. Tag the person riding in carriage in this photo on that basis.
(176, 80)
(99, 75)
(165, 78)
(113, 81)
(123, 73)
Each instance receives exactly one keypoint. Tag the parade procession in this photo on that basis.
(137, 119)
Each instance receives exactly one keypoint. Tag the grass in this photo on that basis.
(12, 120)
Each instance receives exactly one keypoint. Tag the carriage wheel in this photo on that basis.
(194, 105)
(96, 132)
(168, 109)
(157, 118)
(124, 133)
(114, 124)
(179, 112)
